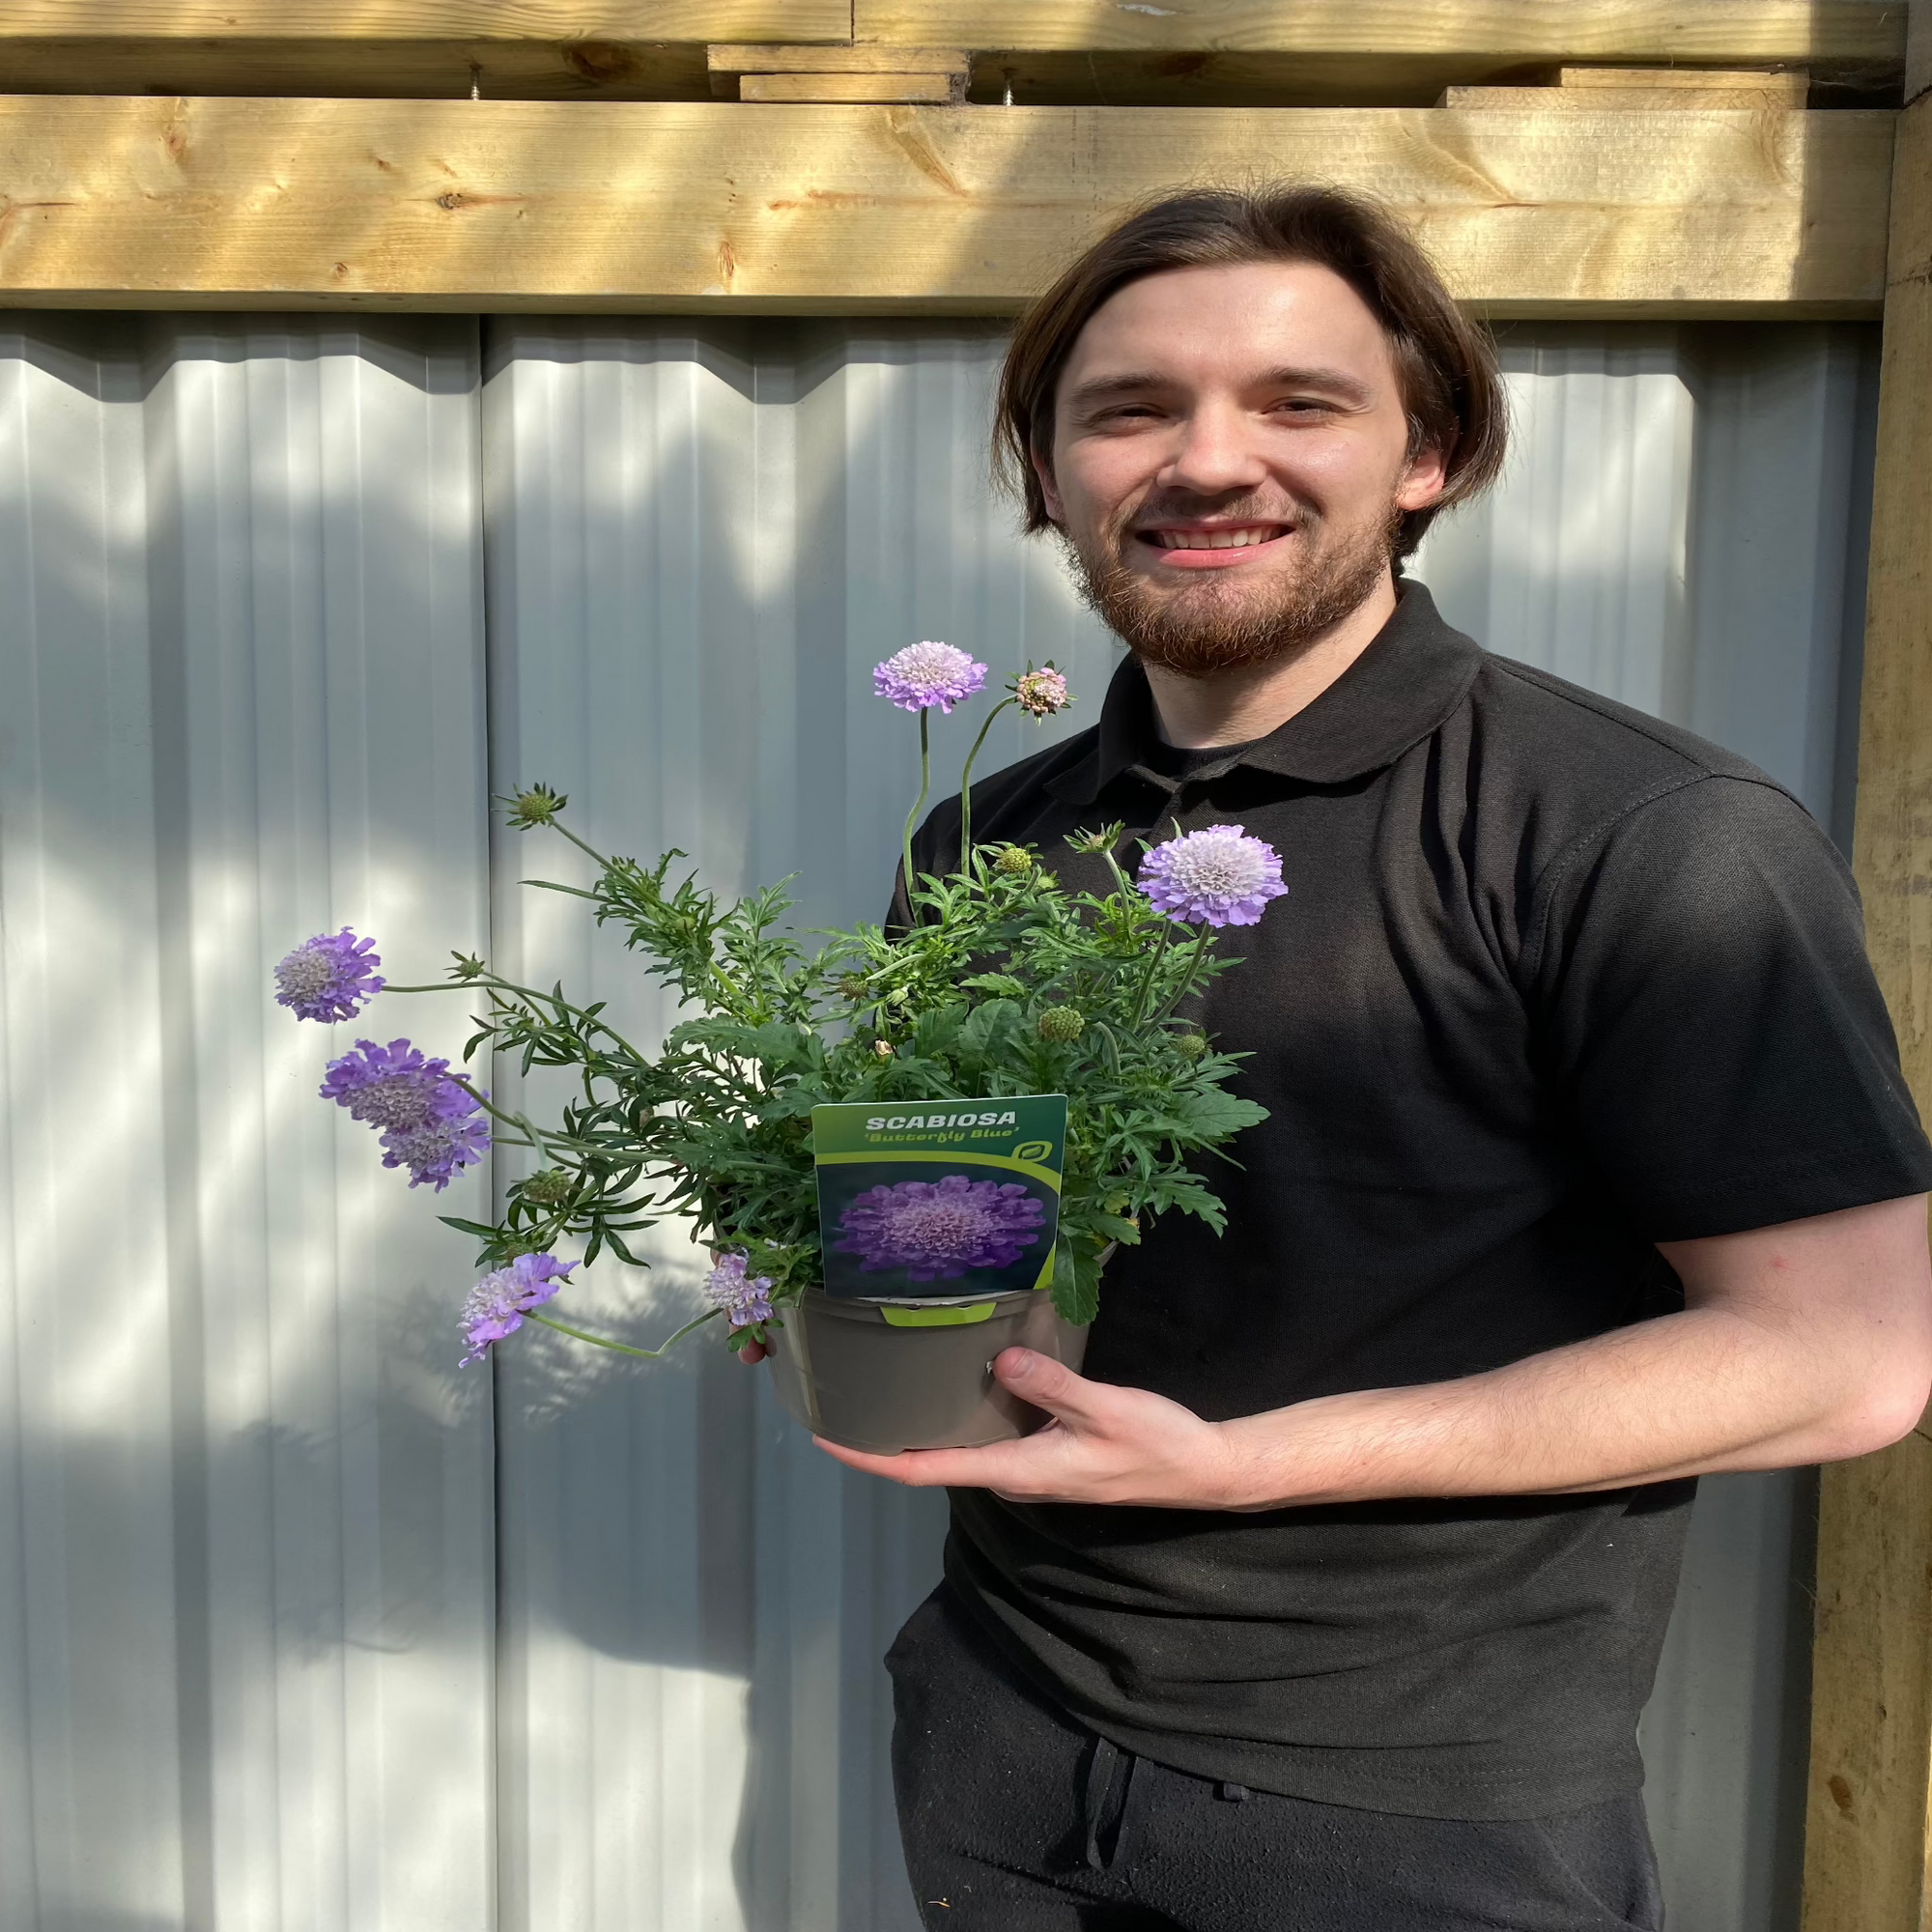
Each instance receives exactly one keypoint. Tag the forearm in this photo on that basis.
(1690, 1394)
(1802, 1343)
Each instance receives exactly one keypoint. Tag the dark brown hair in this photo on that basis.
(1444, 362)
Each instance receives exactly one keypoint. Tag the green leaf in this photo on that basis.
(1213, 1115)
(988, 1028)
(1076, 1284)
(476, 1228)
(1003, 984)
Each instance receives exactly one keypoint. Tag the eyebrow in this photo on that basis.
(1137, 381)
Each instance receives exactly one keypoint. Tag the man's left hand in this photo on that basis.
(1103, 1446)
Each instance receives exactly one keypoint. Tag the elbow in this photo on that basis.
(1886, 1410)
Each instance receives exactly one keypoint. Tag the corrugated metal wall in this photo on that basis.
(247, 1628)
(276, 1650)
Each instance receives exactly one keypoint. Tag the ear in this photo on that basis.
(1424, 480)
(1049, 490)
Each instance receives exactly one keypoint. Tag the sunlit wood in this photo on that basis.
(1865, 1840)
(461, 205)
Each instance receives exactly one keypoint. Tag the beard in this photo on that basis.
(1201, 627)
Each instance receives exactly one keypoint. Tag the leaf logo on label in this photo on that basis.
(1033, 1151)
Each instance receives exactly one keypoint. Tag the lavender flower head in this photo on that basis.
(498, 1304)
(328, 977)
(440, 1148)
(936, 1231)
(927, 674)
(427, 1122)
(1216, 876)
(743, 1301)
(1042, 693)
(393, 1087)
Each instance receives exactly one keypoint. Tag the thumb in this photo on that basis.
(1042, 1382)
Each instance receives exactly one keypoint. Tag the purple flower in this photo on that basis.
(441, 1148)
(428, 1122)
(925, 674)
(330, 977)
(744, 1302)
(936, 1230)
(1219, 876)
(498, 1304)
(390, 1087)
(1042, 693)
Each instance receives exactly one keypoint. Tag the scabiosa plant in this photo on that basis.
(938, 1230)
(1008, 980)
(429, 1122)
(498, 1304)
(393, 1087)
(918, 678)
(1216, 876)
(743, 1298)
(928, 675)
(1041, 692)
(332, 976)
(441, 1148)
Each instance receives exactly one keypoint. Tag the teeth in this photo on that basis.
(1229, 539)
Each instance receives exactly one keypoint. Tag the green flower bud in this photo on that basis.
(539, 806)
(1190, 1045)
(1102, 840)
(1015, 861)
(1060, 1025)
(548, 1188)
(855, 986)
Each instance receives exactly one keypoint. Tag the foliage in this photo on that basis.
(966, 1005)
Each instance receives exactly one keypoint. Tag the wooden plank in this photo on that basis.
(877, 87)
(1865, 1849)
(528, 49)
(397, 70)
(837, 60)
(389, 20)
(1772, 96)
(458, 205)
(1117, 52)
(1634, 33)
(1688, 79)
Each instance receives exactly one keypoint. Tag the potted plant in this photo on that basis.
(1004, 985)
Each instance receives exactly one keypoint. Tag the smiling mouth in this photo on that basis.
(1234, 536)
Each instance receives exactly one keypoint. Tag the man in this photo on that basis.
(1330, 1596)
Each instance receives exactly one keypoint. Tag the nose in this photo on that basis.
(1217, 453)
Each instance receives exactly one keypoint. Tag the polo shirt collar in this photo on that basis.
(1407, 682)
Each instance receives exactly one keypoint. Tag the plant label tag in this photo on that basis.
(939, 1200)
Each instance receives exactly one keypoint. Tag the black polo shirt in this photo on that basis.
(1553, 982)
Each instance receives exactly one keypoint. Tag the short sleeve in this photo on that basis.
(1710, 1022)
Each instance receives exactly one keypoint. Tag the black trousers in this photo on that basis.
(1015, 1819)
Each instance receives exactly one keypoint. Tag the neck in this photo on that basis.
(1236, 707)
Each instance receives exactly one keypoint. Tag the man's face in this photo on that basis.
(1230, 458)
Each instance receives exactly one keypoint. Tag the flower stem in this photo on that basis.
(621, 1347)
(918, 806)
(1147, 979)
(1190, 966)
(493, 982)
(966, 787)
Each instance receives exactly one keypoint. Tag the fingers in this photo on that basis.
(1045, 1382)
(754, 1352)
(926, 1468)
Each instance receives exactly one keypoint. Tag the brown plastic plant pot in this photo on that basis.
(888, 1376)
